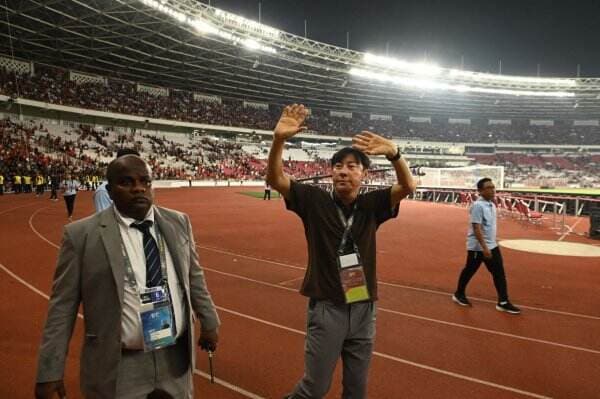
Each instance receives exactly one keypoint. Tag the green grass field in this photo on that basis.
(566, 190)
(260, 194)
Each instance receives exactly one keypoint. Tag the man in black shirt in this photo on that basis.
(340, 229)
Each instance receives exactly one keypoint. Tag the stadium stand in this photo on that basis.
(53, 85)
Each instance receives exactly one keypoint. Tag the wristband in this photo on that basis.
(395, 157)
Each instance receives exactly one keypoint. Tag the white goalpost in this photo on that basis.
(461, 177)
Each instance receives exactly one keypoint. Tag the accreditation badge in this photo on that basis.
(156, 315)
(352, 276)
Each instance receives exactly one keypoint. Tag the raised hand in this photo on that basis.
(291, 121)
(373, 144)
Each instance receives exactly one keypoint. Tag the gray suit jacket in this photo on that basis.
(91, 271)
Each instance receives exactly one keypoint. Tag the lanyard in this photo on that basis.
(347, 223)
(130, 276)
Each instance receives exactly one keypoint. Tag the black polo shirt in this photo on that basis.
(324, 229)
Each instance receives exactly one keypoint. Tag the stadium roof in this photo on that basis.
(188, 45)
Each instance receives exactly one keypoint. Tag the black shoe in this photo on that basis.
(461, 300)
(507, 307)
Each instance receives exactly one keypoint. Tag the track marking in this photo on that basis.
(381, 283)
(293, 330)
(37, 232)
(381, 354)
(219, 381)
(223, 251)
(429, 319)
(407, 287)
(398, 360)
(570, 229)
(286, 282)
(251, 395)
(228, 385)
(16, 207)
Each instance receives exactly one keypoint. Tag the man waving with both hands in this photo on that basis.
(340, 228)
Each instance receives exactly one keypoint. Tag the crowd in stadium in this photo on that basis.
(54, 86)
(536, 170)
(28, 149)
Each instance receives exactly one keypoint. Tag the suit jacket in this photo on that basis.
(91, 271)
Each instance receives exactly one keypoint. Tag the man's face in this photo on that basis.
(347, 175)
(488, 191)
(131, 189)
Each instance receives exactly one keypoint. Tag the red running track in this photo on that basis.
(254, 254)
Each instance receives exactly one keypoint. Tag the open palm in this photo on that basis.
(373, 144)
(291, 121)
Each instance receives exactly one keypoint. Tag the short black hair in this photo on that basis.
(360, 156)
(116, 166)
(482, 182)
(127, 151)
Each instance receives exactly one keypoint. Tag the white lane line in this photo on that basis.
(286, 282)
(407, 287)
(37, 232)
(222, 251)
(495, 332)
(559, 312)
(16, 207)
(381, 354)
(399, 360)
(293, 330)
(228, 385)
(437, 321)
(25, 283)
(571, 228)
(249, 279)
(396, 312)
(219, 381)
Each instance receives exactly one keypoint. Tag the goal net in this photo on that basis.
(461, 177)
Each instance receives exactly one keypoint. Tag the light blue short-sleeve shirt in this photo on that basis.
(101, 198)
(482, 212)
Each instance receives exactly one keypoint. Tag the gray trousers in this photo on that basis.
(165, 370)
(333, 331)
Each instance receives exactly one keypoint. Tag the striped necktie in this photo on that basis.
(153, 270)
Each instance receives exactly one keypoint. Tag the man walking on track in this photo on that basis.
(340, 279)
(134, 269)
(482, 247)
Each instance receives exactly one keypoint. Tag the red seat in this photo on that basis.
(532, 216)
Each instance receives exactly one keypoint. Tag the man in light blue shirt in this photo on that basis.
(482, 247)
(101, 198)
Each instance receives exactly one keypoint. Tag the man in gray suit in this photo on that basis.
(129, 265)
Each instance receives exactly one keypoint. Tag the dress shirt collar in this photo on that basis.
(127, 221)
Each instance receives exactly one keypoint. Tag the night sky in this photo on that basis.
(558, 35)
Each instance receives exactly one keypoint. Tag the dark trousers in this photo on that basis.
(53, 193)
(267, 195)
(494, 265)
(70, 201)
(1, 189)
